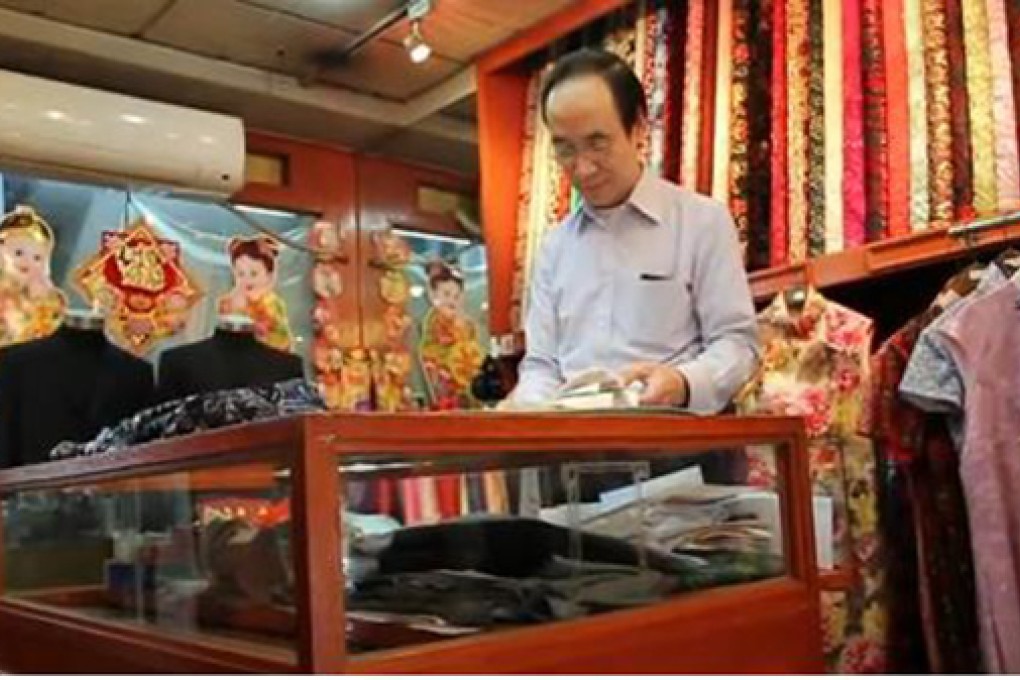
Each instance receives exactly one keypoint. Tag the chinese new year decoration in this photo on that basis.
(140, 282)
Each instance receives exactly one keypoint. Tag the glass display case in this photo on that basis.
(440, 543)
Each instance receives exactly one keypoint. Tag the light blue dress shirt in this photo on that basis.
(660, 279)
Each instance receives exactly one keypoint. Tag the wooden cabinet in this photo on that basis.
(150, 534)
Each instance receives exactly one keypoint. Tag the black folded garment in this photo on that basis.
(514, 547)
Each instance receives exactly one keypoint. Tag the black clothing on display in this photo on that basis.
(201, 412)
(66, 387)
(227, 360)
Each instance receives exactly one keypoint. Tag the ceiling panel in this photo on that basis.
(354, 15)
(384, 69)
(244, 34)
(423, 148)
(125, 17)
(465, 109)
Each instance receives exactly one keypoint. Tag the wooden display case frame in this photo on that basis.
(768, 626)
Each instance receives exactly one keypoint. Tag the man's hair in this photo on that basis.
(628, 94)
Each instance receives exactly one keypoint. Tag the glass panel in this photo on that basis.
(80, 213)
(202, 555)
(433, 552)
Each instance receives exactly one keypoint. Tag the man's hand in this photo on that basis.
(664, 385)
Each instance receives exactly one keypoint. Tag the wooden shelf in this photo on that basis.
(883, 257)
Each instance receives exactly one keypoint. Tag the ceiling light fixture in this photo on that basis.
(417, 48)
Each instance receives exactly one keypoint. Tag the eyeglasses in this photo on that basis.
(595, 149)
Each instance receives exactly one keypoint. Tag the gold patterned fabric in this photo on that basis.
(1007, 164)
(918, 107)
(940, 133)
(816, 132)
(798, 75)
(738, 125)
(982, 121)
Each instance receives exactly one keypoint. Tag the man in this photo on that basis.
(645, 278)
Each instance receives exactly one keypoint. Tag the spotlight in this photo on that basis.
(417, 48)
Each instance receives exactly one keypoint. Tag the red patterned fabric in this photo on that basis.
(778, 223)
(876, 150)
(898, 113)
(959, 118)
(853, 127)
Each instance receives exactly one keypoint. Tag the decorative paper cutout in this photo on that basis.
(450, 352)
(141, 284)
(254, 261)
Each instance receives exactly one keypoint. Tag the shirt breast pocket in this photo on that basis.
(653, 311)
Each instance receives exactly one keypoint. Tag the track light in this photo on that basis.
(417, 48)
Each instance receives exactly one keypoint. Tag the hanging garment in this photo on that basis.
(930, 577)
(815, 365)
(982, 340)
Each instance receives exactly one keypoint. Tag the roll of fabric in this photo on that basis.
(1013, 20)
(979, 99)
(940, 134)
(738, 128)
(832, 37)
(816, 131)
(959, 114)
(759, 106)
(917, 103)
(724, 74)
(853, 125)
(798, 79)
(897, 116)
(778, 222)
(676, 29)
(876, 157)
(519, 280)
(691, 125)
(1007, 160)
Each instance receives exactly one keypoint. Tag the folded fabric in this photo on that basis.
(201, 412)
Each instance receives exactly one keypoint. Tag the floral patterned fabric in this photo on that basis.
(1007, 163)
(738, 128)
(835, 137)
(815, 365)
(798, 76)
(691, 126)
(759, 104)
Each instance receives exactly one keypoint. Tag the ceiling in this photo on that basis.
(255, 59)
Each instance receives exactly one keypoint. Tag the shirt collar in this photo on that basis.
(646, 198)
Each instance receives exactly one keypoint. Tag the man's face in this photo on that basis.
(600, 157)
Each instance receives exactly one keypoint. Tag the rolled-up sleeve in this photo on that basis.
(540, 373)
(725, 315)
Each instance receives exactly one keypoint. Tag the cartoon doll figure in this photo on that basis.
(449, 349)
(254, 263)
(31, 306)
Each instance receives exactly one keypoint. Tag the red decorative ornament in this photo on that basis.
(139, 280)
